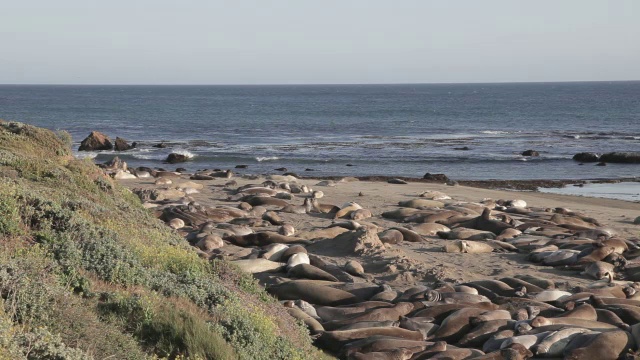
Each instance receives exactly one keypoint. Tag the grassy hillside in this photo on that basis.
(87, 273)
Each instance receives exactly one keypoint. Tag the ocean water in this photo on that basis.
(399, 130)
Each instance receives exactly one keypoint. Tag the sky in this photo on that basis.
(317, 42)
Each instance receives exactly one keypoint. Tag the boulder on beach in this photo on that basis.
(441, 178)
(530, 153)
(122, 144)
(586, 157)
(96, 141)
(621, 157)
(637, 221)
(175, 158)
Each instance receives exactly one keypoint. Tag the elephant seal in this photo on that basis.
(298, 209)
(456, 325)
(540, 282)
(606, 345)
(424, 325)
(298, 259)
(541, 321)
(380, 314)
(386, 294)
(467, 246)
(549, 295)
(335, 340)
(390, 236)
(266, 200)
(313, 293)
(347, 209)
(275, 251)
(287, 230)
(324, 208)
(450, 354)
(307, 271)
(518, 283)
(354, 268)
(421, 203)
(452, 297)
(258, 265)
(554, 344)
(481, 332)
(584, 312)
(293, 249)
(311, 323)
(409, 235)
(369, 324)
(360, 214)
(396, 354)
(272, 217)
(380, 343)
(428, 229)
(209, 243)
(331, 313)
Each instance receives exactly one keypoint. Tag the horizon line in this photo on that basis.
(327, 84)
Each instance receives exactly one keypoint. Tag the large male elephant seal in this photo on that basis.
(312, 292)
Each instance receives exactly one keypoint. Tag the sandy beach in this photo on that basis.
(423, 263)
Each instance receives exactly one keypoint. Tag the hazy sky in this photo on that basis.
(319, 41)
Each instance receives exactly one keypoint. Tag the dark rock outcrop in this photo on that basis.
(174, 158)
(530, 153)
(122, 144)
(441, 178)
(621, 157)
(96, 141)
(586, 157)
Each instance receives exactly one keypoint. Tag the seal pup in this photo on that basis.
(324, 208)
(287, 230)
(298, 209)
(354, 268)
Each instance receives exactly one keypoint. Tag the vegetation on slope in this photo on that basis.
(87, 273)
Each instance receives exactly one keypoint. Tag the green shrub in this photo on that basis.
(73, 233)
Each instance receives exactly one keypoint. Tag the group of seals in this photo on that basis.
(352, 317)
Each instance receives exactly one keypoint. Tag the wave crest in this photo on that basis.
(266, 158)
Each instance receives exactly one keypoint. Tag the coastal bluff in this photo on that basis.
(87, 273)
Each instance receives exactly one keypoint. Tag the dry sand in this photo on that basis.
(407, 264)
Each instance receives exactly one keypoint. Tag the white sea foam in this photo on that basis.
(86, 155)
(266, 158)
(494, 132)
(184, 152)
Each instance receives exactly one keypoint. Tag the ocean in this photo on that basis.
(317, 130)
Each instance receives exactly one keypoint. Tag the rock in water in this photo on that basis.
(530, 153)
(621, 157)
(96, 141)
(586, 157)
(122, 144)
(436, 177)
(174, 158)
